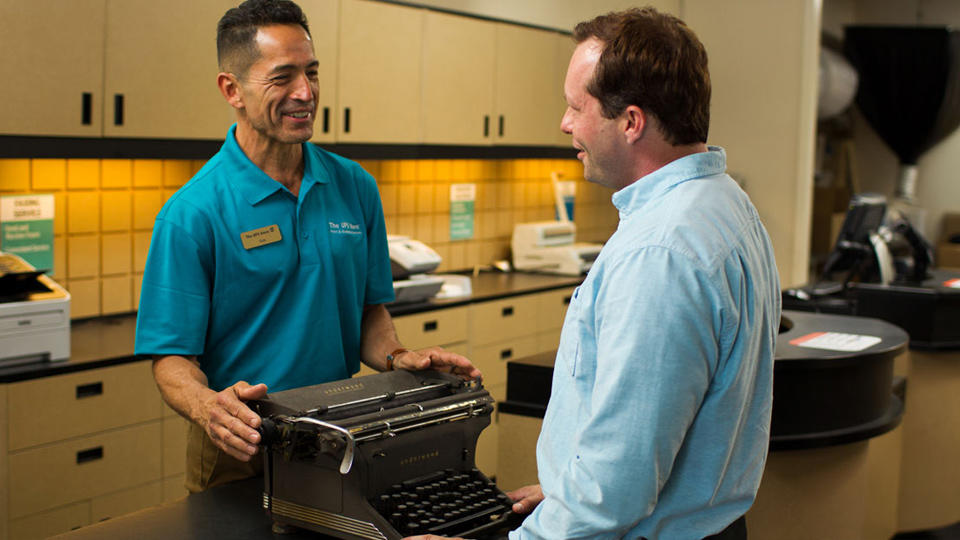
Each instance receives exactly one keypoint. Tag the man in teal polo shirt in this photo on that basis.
(270, 265)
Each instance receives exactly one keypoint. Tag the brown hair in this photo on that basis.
(237, 30)
(654, 61)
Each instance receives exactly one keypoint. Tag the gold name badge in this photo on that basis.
(261, 237)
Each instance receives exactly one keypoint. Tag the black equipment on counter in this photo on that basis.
(382, 456)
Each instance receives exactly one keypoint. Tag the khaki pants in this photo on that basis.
(208, 466)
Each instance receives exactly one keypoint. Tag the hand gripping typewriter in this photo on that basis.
(381, 457)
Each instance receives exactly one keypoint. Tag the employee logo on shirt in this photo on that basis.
(344, 227)
(261, 237)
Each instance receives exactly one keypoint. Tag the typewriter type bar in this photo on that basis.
(381, 457)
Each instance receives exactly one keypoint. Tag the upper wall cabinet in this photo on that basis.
(458, 83)
(323, 16)
(564, 50)
(51, 67)
(527, 86)
(379, 74)
(161, 70)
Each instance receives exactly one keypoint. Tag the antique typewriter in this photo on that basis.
(381, 457)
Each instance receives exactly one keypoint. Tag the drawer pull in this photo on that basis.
(89, 390)
(506, 353)
(507, 311)
(90, 454)
(429, 326)
(566, 300)
(86, 108)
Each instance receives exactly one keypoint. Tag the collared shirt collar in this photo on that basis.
(255, 185)
(634, 196)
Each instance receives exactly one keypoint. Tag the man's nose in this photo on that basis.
(565, 123)
(303, 88)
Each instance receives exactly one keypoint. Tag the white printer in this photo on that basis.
(549, 246)
(34, 314)
(410, 261)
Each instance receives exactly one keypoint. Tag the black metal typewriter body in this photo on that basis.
(381, 457)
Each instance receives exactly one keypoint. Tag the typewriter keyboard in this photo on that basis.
(446, 503)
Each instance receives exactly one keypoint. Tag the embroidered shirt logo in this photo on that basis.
(344, 227)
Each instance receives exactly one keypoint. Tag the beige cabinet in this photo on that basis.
(528, 111)
(52, 67)
(82, 447)
(379, 75)
(564, 46)
(160, 78)
(323, 17)
(458, 82)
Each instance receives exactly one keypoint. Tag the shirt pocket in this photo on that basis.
(569, 350)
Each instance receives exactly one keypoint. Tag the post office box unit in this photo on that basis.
(56, 408)
(48, 476)
(492, 360)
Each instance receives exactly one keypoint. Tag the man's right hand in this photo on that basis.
(230, 424)
(525, 499)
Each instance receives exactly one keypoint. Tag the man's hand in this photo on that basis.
(438, 359)
(229, 423)
(527, 498)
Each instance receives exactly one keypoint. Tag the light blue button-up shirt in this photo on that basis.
(286, 313)
(658, 422)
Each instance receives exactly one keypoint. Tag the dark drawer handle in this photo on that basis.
(506, 353)
(507, 311)
(326, 119)
(90, 454)
(486, 125)
(89, 390)
(429, 326)
(86, 108)
(346, 120)
(501, 126)
(566, 300)
(118, 109)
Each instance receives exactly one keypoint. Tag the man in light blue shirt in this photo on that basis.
(659, 415)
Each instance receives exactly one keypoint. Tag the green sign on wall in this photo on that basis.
(26, 228)
(462, 197)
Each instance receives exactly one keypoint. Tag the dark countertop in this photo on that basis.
(229, 511)
(108, 341)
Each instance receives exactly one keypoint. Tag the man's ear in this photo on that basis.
(230, 88)
(634, 123)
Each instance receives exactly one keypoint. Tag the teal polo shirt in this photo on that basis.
(284, 309)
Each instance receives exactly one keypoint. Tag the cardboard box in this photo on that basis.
(948, 254)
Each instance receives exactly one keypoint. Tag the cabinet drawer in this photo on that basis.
(64, 406)
(173, 488)
(438, 327)
(47, 524)
(174, 445)
(502, 319)
(488, 450)
(126, 501)
(62, 473)
(552, 308)
(492, 359)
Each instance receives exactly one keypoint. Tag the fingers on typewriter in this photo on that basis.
(452, 362)
(230, 424)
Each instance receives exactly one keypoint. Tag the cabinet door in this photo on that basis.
(379, 73)
(161, 70)
(527, 86)
(323, 17)
(51, 67)
(458, 67)
(564, 50)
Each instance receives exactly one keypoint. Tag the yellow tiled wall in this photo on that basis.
(105, 211)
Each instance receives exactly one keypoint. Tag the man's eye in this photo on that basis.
(280, 79)
(312, 75)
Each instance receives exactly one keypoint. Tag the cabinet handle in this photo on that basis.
(507, 311)
(566, 300)
(118, 109)
(506, 353)
(90, 454)
(501, 125)
(486, 125)
(429, 326)
(86, 109)
(326, 119)
(89, 390)
(346, 120)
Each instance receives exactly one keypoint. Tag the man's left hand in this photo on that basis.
(438, 359)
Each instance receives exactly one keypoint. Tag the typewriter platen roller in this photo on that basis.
(381, 457)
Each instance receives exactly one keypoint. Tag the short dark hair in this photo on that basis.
(237, 30)
(654, 61)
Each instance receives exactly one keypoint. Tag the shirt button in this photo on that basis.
(306, 235)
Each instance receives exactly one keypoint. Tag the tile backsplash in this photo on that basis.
(105, 210)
